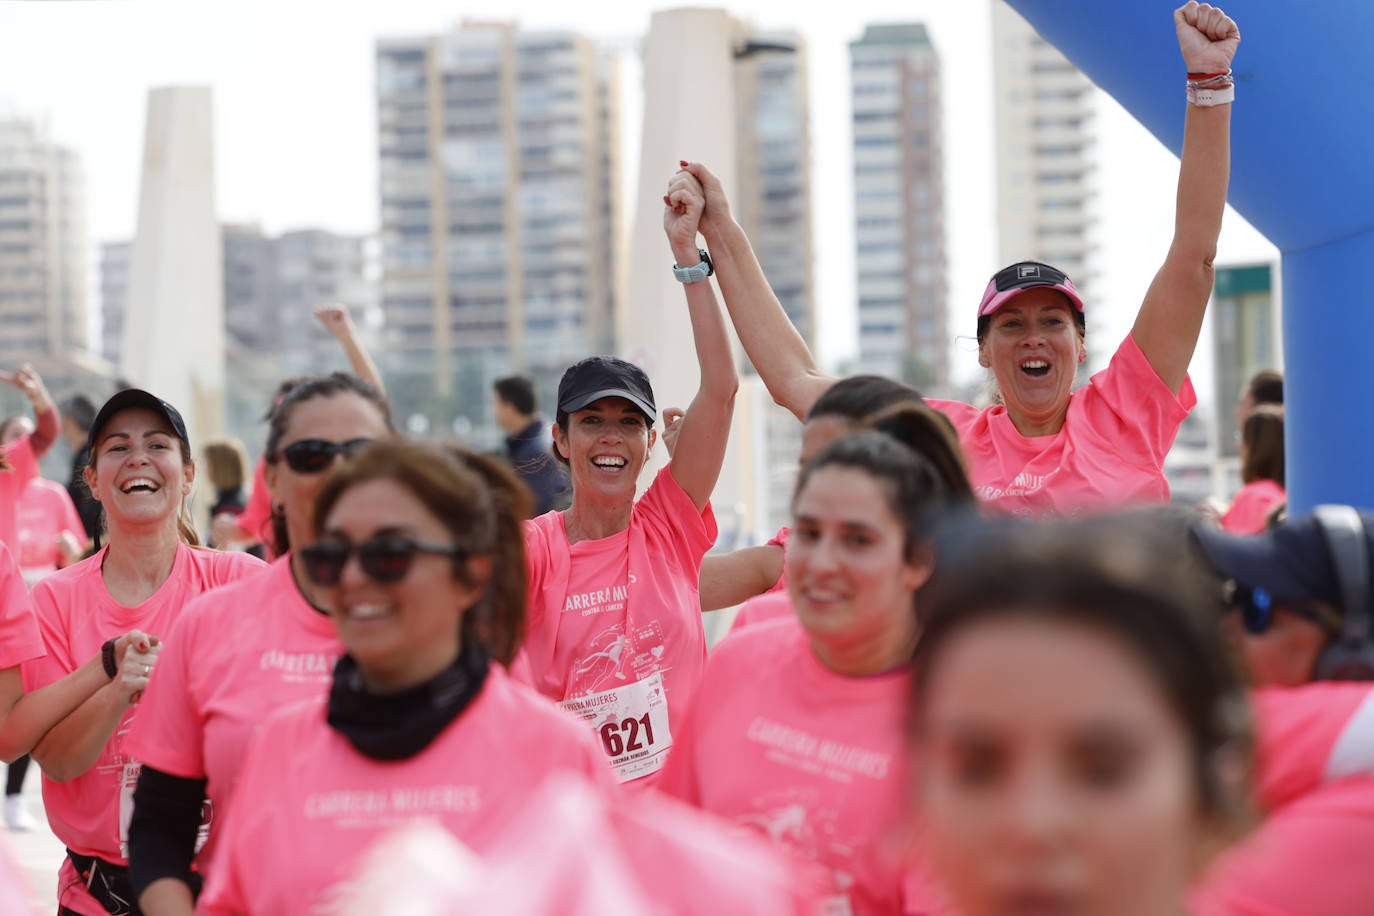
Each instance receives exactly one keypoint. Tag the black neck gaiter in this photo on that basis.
(395, 726)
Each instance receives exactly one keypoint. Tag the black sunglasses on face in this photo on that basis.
(384, 558)
(310, 456)
(1257, 608)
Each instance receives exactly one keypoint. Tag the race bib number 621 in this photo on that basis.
(631, 722)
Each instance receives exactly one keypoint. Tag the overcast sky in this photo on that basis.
(295, 124)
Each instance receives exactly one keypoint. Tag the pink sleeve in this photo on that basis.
(45, 429)
(674, 521)
(1250, 510)
(168, 734)
(1296, 729)
(57, 663)
(257, 515)
(781, 538)
(20, 639)
(224, 893)
(1129, 406)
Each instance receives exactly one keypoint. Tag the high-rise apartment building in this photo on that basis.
(42, 248)
(1046, 133)
(772, 199)
(498, 179)
(899, 205)
(271, 286)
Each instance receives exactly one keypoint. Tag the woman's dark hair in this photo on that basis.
(482, 504)
(1261, 439)
(518, 392)
(930, 434)
(1266, 387)
(300, 390)
(859, 397)
(1132, 577)
(916, 490)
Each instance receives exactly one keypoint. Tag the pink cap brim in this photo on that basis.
(994, 300)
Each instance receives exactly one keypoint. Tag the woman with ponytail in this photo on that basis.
(925, 431)
(259, 645)
(419, 556)
(141, 471)
(807, 711)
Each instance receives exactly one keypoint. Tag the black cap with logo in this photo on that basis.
(599, 377)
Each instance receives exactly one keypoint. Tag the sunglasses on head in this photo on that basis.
(1257, 608)
(384, 558)
(310, 456)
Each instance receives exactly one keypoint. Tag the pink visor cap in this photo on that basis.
(1020, 277)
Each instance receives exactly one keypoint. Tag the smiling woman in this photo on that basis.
(418, 555)
(140, 469)
(1049, 450)
(615, 630)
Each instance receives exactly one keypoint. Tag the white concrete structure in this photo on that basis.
(174, 316)
(702, 60)
(1046, 134)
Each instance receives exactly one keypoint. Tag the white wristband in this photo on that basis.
(1207, 98)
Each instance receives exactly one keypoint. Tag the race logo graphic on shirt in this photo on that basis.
(367, 809)
(796, 818)
(299, 667)
(798, 749)
(614, 657)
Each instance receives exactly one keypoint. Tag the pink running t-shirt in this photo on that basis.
(45, 511)
(1109, 454)
(20, 639)
(1250, 510)
(90, 814)
(309, 806)
(615, 630)
(1309, 735)
(762, 609)
(813, 760)
(23, 468)
(234, 656)
(1314, 761)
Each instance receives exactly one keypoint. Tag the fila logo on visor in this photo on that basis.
(1027, 270)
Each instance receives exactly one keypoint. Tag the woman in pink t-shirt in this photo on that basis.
(796, 730)
(728, 579)
(1044, 448)
(259, 644)
(1261, 471)
(1299, 620)
(419, 559)
(140, 470)
(1081, 740)
(615, 631)
(19, 457)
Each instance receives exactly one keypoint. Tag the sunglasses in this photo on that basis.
(1257, 608)
(384, 558)
(310, 456)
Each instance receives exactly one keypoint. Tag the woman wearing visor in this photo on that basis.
(1045, 449)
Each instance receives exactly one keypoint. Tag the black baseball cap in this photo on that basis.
(136, 397)
(599, 377)
(1292, 561)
